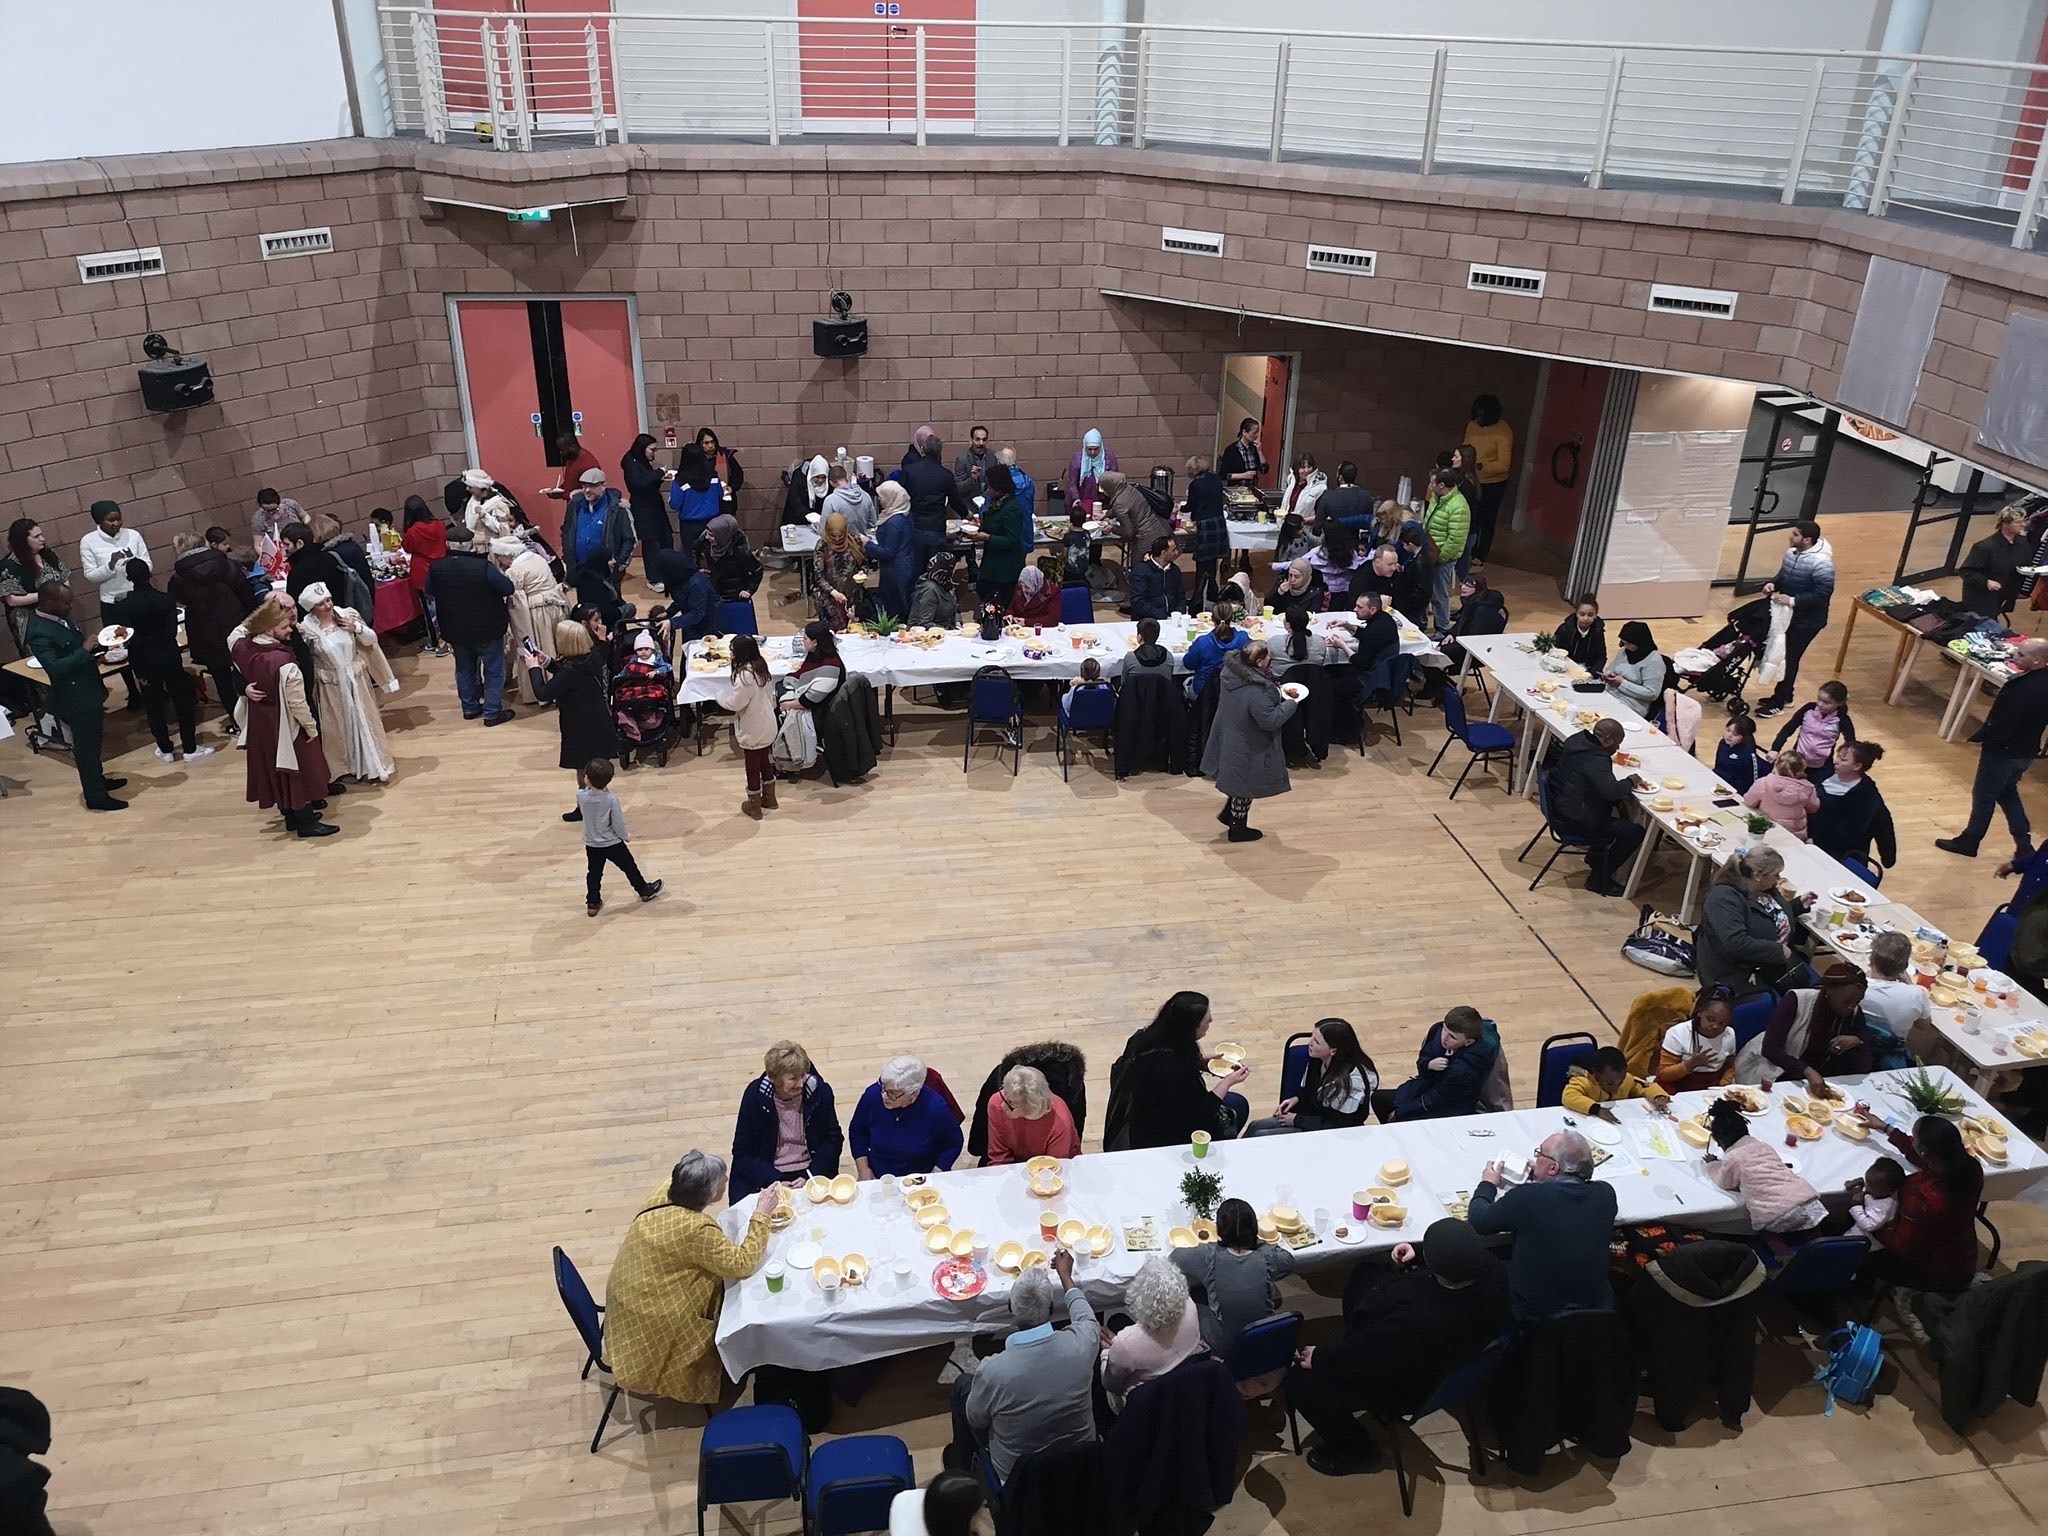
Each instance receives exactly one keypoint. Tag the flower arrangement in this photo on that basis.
(1202, 1191)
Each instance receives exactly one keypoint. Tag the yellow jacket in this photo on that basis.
(1648, 1017)
(661, 1302)
(1495, 446)
(1581, 1092)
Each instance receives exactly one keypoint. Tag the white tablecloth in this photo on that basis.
(801, 539)
(1807, 868)
(1320, 1171)
(889, 663)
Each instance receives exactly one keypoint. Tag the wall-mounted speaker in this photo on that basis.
(176, 384)
(839, 338)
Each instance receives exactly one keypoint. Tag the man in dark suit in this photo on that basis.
(78, 697)
(1374, 632)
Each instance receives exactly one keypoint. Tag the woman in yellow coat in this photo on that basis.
(668, 1282)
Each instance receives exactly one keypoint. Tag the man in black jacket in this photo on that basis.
(1419, 1325)
(1585, 794)
(1375, 634)
(1346, 501)
(934, 494)
(469, 594)
(2011, 740)
(159, 668)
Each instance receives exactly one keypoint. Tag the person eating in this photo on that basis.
(902, 1125)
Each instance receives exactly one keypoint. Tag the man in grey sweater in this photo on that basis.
(1035, 1395)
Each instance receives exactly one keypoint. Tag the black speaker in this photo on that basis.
(839, 338)
(176, 384)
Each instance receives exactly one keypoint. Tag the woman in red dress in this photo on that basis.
(287, 769)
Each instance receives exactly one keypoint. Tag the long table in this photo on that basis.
(1983, 1037)
(1973, 675)
(1656, 1176)
(897, 664)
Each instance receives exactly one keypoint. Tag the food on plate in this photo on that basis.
(1804, 1127)
(1388, 1215)
(1459, 1206)
(1748, 1100)
(1380, 1195)
(854, 1268)
(1300, 1238)
(1672, 782)
(1662, 803)
(1394, 1173)
(921, 1196)
(914, 1180)
(785, 1209)
(1627, 760)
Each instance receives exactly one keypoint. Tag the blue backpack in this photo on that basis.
(1855, 1356)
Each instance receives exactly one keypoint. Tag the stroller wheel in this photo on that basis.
(661, 758)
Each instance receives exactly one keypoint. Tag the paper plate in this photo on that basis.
(115, 634)
(1350, 1233)
(959, 1279)
(1600, 1132)
(1849, 896)
(1294, 691)
(802, 1256)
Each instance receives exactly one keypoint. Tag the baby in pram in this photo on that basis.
(643, 701)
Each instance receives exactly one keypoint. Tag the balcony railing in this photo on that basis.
(1957, 139)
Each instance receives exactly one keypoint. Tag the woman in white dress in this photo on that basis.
(348, 670)
(538, 602)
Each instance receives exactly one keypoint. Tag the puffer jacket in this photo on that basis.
(1245, 757)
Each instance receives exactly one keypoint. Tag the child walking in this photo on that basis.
(753, 722)
(1785, 794)
(604, 837)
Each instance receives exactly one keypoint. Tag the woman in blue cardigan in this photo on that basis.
(903, 1125)
(787, 1127)
(894, 548)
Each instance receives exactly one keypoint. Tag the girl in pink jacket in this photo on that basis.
(1785, 794)
(1776, 1198)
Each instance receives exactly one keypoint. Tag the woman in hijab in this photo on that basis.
(734, 570)
(1299, 587)
(894, 549)
(1085, 471)
(349, 671)
(933, 602)
(726, 468)
(839, 564)
(1034, 600)
(644, 480)
(696, 497)
(809, 485)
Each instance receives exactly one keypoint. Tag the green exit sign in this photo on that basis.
(530, 215)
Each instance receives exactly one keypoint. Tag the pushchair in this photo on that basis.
(644, 706)
(1736, 647)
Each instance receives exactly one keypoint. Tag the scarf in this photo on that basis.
(1299, 575)
(1029, 581)
(819, 474)
(837, 538)
(892, 499)
(939, 569)
(1092, 463)
(722, 530)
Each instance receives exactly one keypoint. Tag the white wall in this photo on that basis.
(120, 77)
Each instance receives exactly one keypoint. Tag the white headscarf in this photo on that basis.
(892, 498)
(1092, 462)
(818, 474)
(1029, 580)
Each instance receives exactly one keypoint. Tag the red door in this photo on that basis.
(864, 78)
(1273, 421)
(553, 358)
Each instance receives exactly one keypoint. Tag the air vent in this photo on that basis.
(1670, 299)
(1191, 242)
(1341, 258)
(112, 266)
(1525, 282)
(297, 242)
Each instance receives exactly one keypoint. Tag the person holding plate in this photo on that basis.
(159, 666)
(1244, 757)
(77, 695)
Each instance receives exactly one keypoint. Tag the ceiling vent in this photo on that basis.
(112, 266)
(1341, 258)
(1191, 242)
(1670, 299)
(1524, 282)
(297, 242)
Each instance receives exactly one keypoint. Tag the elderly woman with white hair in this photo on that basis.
(1164, 1330)
(1026, 1119)
(349, 670)
(538, 603)
(668, 1282)
(902, 1124)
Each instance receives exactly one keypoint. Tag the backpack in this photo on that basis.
(1661, 943)
(1855, 1356)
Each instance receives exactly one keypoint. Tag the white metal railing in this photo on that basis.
(1955, 138)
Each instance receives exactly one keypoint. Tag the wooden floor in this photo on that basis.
(290, 1128)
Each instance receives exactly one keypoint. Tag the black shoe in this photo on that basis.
(337, 788)
(500, 717)
(111, 783)
(1343, 1463)
(653, 890)
(592, 908)
(1245, 834)
(310, 825)
(1770, 707)
(316, 805)
(472, 714)
(1224, 815)
(1608, 888)
(575, 815)
(1956, 845)
(106, 803)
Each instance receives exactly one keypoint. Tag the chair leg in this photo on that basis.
(1546, 866)
(604, 1422)
(588, 1362)
(1401, 1475)
(1461, 777)
(1394, 719)
(1997, 1242)
(1440, 751)
(1523, 856)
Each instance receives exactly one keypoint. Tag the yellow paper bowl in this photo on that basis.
(1394, 1174)
(854, 1267)
(843, 1189)
(1379, 1194)
(932, 1216)
(939, 1240)
(1034, 1259)
(827, 1268)
(818, 1190)
(962, 1244)
(922, 1196)
(1010, 1257)
(1205, 1231)
(1388, 1215)
(1047, 1185)
(1182, 1237)
(1231, 1052)
(1039, 1165)
(1268, 1233)
(1693, 1133)
(1073, 1233)
(1100, 1240)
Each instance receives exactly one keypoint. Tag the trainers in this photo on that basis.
(1956, 845)
(653, 890)
(1245, 834)
(1768, 708)
(192, 753)
(592, 908)
(165, 757)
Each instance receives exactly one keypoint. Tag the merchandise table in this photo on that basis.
(1972, 674)
(395, 606)
(897, 664)
(1655, 1174)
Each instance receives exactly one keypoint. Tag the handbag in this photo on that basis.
(1661, 943)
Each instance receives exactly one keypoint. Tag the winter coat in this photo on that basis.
(1212, 528)
(1737, 943)
(1066, 1074)
(1807, 576)
(894, 548)
(216, 597)
(575, 685)
(1137, 522)
(1991, 1342)
(758, 1128)
(1244, 757)
(1990, 559)
(1787, 801)
(664, 1294)
(1170, 1459)
(469, 593)
(650, 514)
(1692, 1315)
(933, 603)
(1584, 789)
(934, 497)
(617, 546)
(1155, 590)
(1002, 557)
(1151, 724)
(1589, 650)
(24, 1433)
(1455, 1090)
(850, 731)
(1569, 1377)
(1848, 823)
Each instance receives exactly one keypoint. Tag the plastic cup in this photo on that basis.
(1049, 1225)
(1361, 1206)
(981, 1251)
(1322, 1220)
(1199, 1144)
(902, 1272)
(775, 1275)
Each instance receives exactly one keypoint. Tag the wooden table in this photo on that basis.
(1902, 655)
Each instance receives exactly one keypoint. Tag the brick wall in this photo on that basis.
(982, 271)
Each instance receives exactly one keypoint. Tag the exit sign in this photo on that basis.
(530, 215)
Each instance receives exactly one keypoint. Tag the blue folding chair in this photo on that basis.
(750, 1456)
(587, 1315)
(1388, 681)
(1077, 605)
(1452, 1394)
(1868, 873)
(1574, 842)
(1554, 1065)
(1483, 739)
(1294, 1065)
(736, 618)
(1753, 1017)
(851, 1482)
(992, 701)
(1091, 707)
(1822, 1267)
(1995, 942)
(1267, 1346)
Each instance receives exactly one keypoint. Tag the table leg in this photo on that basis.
(1532, 736)
(1848, 629)
(1653, 831)
(1500, 699)
(1689, 906)
(1902, 665)
(889, 712)
(1968, 681)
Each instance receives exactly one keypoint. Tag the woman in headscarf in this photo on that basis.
(933, 602)
(1299, 587)
(644, 480)
(809, 485)
(287, 769)
(726, 468)
(734, 570)
(836, 579)
(695, 497)
(538, 603)
(894, 549)
(1034, 600)
(1085, 471)
(349, 670)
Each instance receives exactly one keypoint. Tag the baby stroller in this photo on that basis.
(644, 703)
(1736, 648)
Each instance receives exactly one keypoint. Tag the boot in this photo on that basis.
(768, 796)
(1245, 834)
(310, 825)
(751, 808)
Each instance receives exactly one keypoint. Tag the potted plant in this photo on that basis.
(1543, 645)
(884, 624)
(1201, 1191)
(1927, 1096)
(1757, 822)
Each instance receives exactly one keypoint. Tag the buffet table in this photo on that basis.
(1656, 1176)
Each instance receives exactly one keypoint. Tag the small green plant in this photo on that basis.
(1201, 1191)
(1757, 822)
(1544, 644)
(1927, 1096)
(884, 623)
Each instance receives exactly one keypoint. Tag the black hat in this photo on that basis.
(1453, 1252)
